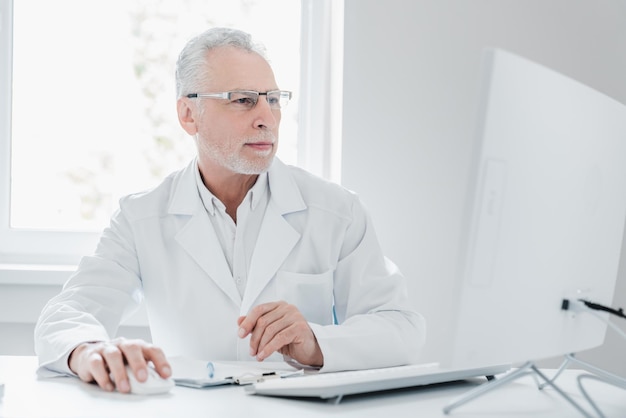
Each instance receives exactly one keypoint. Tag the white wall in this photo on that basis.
(411, 79)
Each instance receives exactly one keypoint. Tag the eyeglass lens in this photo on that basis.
(276, 99)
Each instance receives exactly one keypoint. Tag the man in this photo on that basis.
(237, 256)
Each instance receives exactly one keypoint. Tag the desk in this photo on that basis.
(27, 396)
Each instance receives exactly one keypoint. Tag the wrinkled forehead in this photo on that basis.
(231, 68)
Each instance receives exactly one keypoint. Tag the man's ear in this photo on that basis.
(186, 116)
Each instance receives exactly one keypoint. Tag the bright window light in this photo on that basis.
(93, 110)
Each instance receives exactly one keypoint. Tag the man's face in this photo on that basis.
(239, 140)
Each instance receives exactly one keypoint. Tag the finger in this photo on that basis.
(96, 366)
(158, 359)
(115, 367)
(278, 335)
(250, 321)
(266, 327)
(133, 351)
(78, 361)
(285, 325)
(139, 353)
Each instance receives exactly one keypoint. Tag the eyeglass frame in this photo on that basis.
(225, 95)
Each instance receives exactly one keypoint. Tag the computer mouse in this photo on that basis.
(153, 385)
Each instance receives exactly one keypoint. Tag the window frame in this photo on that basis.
(318, 135)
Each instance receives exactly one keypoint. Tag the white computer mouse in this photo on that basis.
(153, 385)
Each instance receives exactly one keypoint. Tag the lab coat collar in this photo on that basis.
(285, 193)
(276, 236)
(185, 199)
(283, 188)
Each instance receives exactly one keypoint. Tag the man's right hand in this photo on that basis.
(96, 361)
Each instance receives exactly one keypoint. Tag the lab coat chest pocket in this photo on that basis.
(311, 293)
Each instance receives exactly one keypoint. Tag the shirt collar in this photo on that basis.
(211, 203)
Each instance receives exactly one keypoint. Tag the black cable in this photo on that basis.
(596, 306)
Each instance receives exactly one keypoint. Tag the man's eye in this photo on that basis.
(272, 100)
(244, 101)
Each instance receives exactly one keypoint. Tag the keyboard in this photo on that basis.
(339, 384)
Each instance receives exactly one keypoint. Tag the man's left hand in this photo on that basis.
(278, 326)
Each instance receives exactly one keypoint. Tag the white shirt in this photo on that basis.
(237, 240)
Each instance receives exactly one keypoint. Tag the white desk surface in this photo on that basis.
(27, 396)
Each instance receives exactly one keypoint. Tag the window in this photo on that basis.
(87, 106)
(93, 114)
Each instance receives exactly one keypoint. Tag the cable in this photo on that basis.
(586, 395)
(581, 305)
(589, 307)
(597, 307)
(619, 383)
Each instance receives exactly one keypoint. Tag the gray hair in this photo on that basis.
(191, 65)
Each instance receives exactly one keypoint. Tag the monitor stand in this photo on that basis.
(526, 369)
(594, 373)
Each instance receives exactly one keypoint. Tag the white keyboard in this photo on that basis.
(330, 385)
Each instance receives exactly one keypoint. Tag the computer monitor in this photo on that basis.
(545, 216)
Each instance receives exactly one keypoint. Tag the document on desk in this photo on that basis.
(203, 374)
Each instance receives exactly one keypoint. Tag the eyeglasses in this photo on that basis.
(247, 99)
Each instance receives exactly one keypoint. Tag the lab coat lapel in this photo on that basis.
(276, 237)
(197, 236)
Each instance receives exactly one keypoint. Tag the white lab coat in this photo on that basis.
(316, 249)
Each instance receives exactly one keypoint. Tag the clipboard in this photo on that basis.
(201, 374)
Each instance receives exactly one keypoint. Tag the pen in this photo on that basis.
(210, 369)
